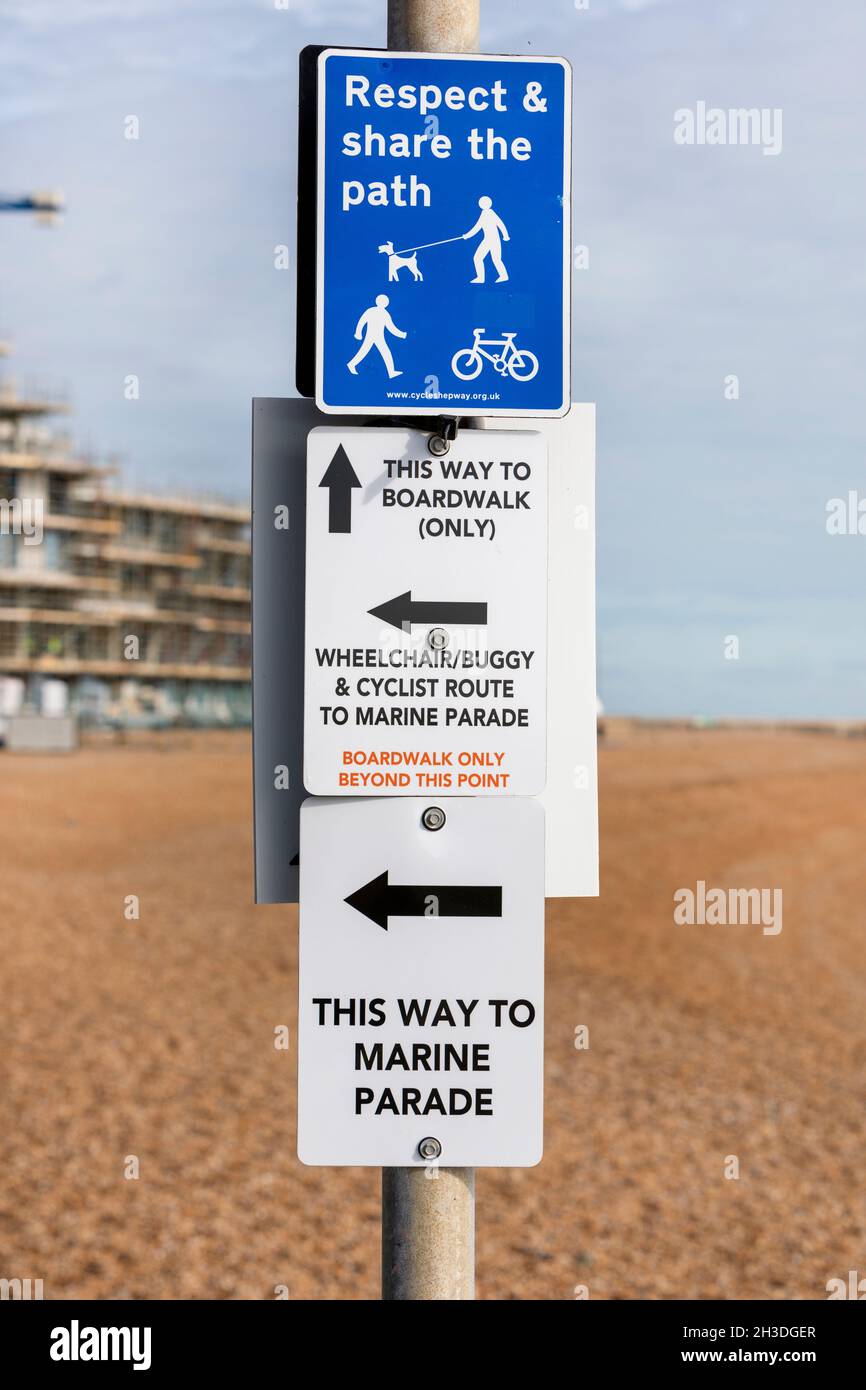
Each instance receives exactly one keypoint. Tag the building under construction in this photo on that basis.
(126, 608)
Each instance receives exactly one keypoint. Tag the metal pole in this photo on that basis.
(428, 1214)
(428, 1233)
(433, 26)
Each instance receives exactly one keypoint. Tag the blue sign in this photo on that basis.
(444, 271)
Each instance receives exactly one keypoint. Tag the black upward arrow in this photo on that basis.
(403, 610)
(340, 477)
(380, 900)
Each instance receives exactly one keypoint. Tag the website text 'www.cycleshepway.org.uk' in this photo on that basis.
(486, 397)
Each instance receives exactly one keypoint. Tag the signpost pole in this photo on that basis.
(433, 26)
(428, 1233)
(428, 1214)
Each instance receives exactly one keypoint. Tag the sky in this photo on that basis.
(705, 261)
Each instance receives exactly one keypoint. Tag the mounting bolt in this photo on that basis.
(437, 639)
(429, 1148)
(438, 446)
(433, 818)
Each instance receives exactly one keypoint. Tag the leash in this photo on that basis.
(427, 246)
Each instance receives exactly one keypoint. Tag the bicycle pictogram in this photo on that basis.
(517, 362)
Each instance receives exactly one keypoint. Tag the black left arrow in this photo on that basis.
(380, 900)
(403, 610)
(340, 477)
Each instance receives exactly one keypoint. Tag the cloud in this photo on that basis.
(703, 262)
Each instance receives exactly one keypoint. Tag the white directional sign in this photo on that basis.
(426, 614)
(421, 982)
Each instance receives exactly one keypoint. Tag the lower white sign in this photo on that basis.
(421, 982)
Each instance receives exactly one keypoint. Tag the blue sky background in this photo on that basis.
(704, 261)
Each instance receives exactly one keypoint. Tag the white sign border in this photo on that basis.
(469, 1152)
(436, 410)
(339, 433)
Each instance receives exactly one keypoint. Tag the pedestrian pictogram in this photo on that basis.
(373, 326)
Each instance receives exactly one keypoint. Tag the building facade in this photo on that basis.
(139, 604)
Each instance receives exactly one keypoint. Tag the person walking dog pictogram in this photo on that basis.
(494, 233)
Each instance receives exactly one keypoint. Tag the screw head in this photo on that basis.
(433, 818)
(430, 1148)
(438, 446)
(437, 639)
